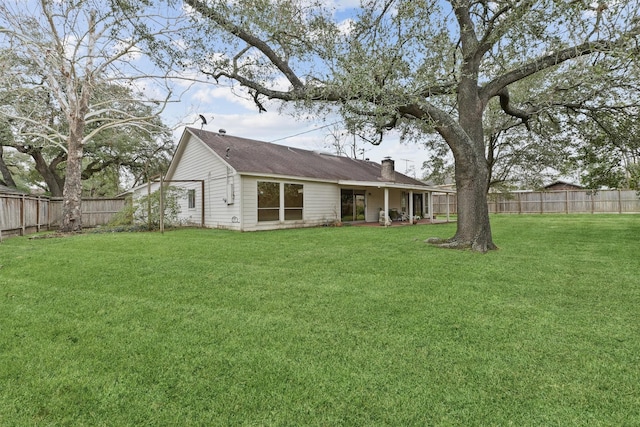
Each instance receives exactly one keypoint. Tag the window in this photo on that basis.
(191, 196)
(279, 200)
(268, 201)
(293, 201)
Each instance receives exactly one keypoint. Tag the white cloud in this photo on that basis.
(212, 95)
(346, 27)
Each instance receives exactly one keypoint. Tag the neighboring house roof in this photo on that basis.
(5, 189)
(563, 185)
(248, 156)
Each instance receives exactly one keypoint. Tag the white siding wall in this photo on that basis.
(321, 202)
(199, 163)
(143, 190)
(321, 205)
(375, 203)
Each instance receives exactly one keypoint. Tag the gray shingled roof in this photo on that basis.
(257, 157)
(11, 190)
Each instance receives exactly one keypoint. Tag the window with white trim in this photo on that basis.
(278, 200)
(293, 201)
(268, 201)
(191, 199)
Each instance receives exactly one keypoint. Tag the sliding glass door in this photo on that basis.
(352, 205)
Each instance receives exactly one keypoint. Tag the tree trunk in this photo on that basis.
(6, 173)
(72, 195)
(472, 172)
(54, 182)
(474, 228)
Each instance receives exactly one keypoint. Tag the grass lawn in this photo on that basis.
(328, 326)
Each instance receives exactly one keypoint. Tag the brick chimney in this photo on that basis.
(388, 170)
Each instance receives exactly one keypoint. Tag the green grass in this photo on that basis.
(328, 326)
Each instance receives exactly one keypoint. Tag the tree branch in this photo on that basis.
(250, 39)
(508, 108)
(468, 37)
(495, 86)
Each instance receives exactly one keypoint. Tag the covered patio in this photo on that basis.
(387, 204)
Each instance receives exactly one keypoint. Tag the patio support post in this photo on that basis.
(281, 211)
(410, 207)
(430, 205)
(386, 207)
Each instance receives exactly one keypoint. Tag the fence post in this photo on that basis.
(541, 203)
(1, 216)
(566, 201)
(619, 201)
(38, 214)
(519, 203)
(23, 229)
(447, 207)
(161, 206)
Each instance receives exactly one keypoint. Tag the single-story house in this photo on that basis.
(248, 185)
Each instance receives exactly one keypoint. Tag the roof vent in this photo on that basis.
(222, 132)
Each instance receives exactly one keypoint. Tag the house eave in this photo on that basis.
(285, 177)
(344, 183)
(381, 184)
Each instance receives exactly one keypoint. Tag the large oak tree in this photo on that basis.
(414, 66)
(80, 51)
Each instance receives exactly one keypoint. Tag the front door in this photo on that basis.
(352, 205)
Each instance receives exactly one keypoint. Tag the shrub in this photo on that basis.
(146, 210)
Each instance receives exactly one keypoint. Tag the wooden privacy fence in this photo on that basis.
(565, 201)
(22, 214)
